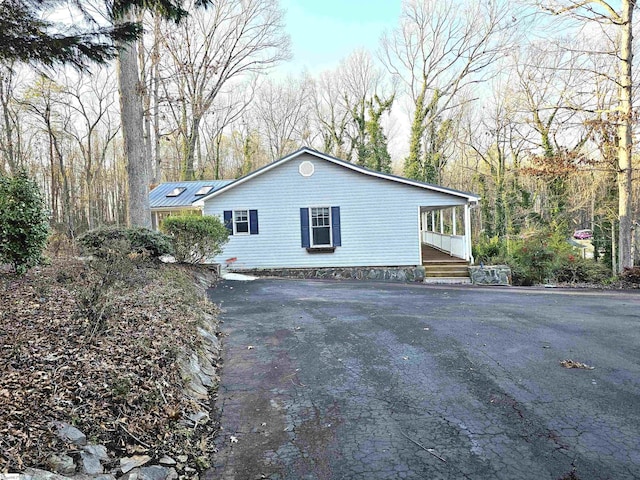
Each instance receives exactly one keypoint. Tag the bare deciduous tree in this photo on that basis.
(616, 16)
(10, 145)
(439, 51)
(91, 100)
(283, 112)
(211, 51)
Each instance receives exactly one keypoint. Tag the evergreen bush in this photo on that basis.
(105, 241)
(24, 226)
(488, 249)
(195, 238)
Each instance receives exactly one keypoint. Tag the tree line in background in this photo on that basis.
(463, 94)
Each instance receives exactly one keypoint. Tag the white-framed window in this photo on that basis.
(241, 222)
(320, 226)
(320, 229)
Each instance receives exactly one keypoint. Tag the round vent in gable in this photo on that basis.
(306, 168)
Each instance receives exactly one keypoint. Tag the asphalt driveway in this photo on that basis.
(352, 380)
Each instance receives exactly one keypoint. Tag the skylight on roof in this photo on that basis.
(204, 190)
(176, 191)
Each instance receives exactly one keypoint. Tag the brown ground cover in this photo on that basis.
(116, 379)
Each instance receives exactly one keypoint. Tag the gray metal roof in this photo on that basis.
(158, 196)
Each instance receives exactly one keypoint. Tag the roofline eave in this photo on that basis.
(470, 197)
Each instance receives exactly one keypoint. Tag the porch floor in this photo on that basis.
(433, 255)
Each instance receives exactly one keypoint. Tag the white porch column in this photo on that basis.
(467, 232)
(453, 221)
(433, 220)
(441, 222)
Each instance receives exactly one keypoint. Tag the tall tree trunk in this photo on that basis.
(155, 90)
(133, 133)
(10, 156)
(189, 149)
(625, 141)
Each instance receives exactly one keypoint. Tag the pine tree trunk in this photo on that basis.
(625, 141)
(132, 128)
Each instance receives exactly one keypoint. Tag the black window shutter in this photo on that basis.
(335, 226)
(253, 222)
(304, 227)
(228, 221)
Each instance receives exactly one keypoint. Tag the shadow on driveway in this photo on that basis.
(350, 380)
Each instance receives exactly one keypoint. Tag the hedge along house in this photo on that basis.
(311, 210)
(177, 198)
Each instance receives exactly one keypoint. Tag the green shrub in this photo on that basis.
(24, 226)
(574, 269)
(538, 256)
(104, 241)
(195, 238)
(535, 258)
(488, 249)
(520, 274)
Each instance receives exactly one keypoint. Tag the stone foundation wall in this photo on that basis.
(490, 275)
(386, 274)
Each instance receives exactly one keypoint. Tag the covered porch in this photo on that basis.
(445, 234)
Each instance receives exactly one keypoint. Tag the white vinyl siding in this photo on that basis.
(379, 219)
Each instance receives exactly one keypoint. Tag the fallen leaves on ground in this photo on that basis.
(573, 364)
(120, 386)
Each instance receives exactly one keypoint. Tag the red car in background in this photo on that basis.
(584, 234)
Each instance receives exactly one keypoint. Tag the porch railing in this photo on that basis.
(454, 245)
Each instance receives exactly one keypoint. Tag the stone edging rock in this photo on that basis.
(388, 274)
(490, 275)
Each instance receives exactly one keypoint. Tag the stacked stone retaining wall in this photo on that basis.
(386, 274)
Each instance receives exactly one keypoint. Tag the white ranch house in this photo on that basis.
(312, 210)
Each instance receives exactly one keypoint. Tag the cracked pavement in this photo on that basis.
(349, 380)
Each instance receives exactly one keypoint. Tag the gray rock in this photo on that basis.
(166, 460)
(199, 417)
(62, 464)
(196, 390)
(91, 464)
(206, 366)
(182, 458)
(85, 476)
(71, 434)
(99, 451)
(209, 337)
(155, 472)
(490, 275)
(37, 474)
(131, 475)
(173, 475)
(129, 463)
